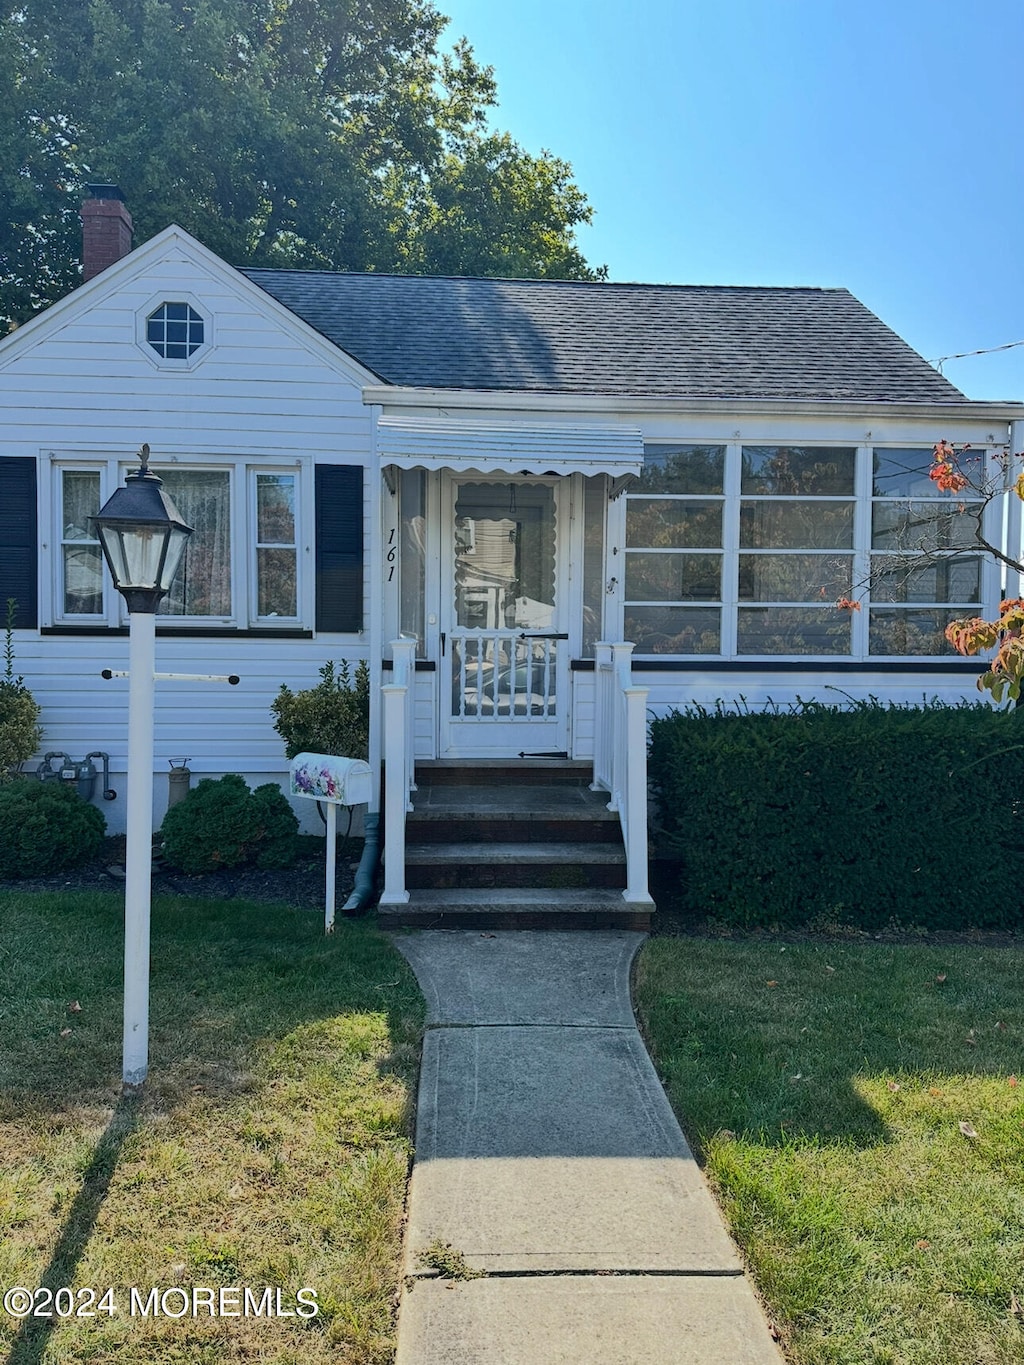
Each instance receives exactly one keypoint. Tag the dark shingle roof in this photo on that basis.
(688, 341)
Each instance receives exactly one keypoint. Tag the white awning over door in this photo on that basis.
(488, 447)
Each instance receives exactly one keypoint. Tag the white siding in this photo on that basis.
(267, 389)
(757, 689)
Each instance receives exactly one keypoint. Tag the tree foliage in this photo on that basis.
(322, 134)
(964, 476)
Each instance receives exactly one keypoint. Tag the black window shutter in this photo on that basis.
(339, 547)
(18, 539)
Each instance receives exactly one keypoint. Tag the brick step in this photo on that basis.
(511, 815)
(531, 864)
(456, 772)
(506, 908)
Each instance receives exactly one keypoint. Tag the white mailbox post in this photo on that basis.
(336, 782)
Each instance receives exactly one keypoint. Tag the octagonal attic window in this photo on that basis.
(175, 331)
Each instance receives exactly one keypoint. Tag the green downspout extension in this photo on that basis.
(366, 873)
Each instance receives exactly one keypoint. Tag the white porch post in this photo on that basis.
(636, 891)
(396, 794)
(1014, 519)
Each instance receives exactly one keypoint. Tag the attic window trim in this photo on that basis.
(192, 333)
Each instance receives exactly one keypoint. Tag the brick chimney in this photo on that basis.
(106, 229)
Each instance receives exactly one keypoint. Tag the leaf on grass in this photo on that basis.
(923, 1244)
(74, 1007)
(1016, 1308)
(828, 968)
(893, 1086)
(970, 1040)
(1012, 1081)
(1000, 1026)
(772, 983)
(941, 977)
(968, 1129)
(933, 1090)
(65, 1033)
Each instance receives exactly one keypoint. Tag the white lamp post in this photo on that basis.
(143, 537)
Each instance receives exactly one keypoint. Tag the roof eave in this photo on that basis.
(396, 395)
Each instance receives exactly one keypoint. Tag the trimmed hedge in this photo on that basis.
(862, 816)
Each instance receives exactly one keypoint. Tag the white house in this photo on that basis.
(510, 474)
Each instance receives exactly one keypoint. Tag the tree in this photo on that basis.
(1004, 678)
(955, 470)
(325, 134)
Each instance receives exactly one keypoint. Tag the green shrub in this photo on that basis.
(859, 816)
(19, 713)
(221, 823)
(277, 844)
(331, 718)
(46, 827)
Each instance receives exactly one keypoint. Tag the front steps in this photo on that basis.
(518, 844)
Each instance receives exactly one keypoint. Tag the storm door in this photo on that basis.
(504, 646)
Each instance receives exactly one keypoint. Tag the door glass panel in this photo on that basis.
(504, 590)
(505, 556)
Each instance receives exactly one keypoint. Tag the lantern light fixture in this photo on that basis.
(143, 537)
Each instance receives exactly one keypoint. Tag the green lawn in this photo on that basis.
(270, 1147)
(858, 1111)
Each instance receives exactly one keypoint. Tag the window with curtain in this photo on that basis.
(242, 564)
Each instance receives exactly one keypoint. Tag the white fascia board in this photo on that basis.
(451, 400)
(174, 242)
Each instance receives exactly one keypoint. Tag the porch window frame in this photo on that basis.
(860, 554)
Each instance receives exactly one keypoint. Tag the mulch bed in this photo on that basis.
(301, 886)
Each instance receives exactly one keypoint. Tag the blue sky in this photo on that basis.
(877, 146)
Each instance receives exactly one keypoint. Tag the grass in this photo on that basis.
(270, 1146)
(857, 1110)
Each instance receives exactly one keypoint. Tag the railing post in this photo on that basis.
(621, 679)
(396, 793)
(403, 653)
(602, 716)
(636, 796)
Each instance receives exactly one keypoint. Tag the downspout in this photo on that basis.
(365, 888)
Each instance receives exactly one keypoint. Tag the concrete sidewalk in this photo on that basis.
(548, 1158)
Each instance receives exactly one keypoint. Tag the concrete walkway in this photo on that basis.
(548, 1158)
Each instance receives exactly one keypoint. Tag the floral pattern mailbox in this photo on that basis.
(337, 782)
(325, 777)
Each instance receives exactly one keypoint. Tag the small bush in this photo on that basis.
(19, 712)
(277, 843)
(221, 823)
(331, 718)
(858, 816)
(46, 827)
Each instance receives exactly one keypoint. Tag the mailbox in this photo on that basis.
(325, 777)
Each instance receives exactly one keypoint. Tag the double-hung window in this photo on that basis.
(244, 565)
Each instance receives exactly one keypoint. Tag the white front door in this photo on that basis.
(504, 665)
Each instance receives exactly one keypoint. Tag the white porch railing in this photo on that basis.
(620, 758)
(399, 767)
